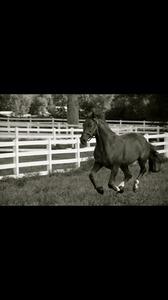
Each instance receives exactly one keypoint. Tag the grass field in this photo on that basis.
(74, 188)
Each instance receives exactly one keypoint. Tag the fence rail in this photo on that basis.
(48, 157)
(55, 121)
(45, 156)
(40, 132)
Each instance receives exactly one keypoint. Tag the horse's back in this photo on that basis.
(133, 135)
(136, 146)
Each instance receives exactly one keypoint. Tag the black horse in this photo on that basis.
(114, 152)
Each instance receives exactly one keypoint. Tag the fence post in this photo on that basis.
(88, 144)
(72, 135)
(16, 152)
(8, 122)
(30, 122)
(166, 145)
(144, 125)
(49, 156)
(54, 137)
(28, 126)
(146, 137)
(67, 128)
(53, 128)
(38, 127)
(53, 123)
(72, 132)
(158, 132)
(77, 146)
(118, 130)
(59, 127)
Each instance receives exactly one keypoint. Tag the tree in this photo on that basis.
(158, 108)
(72, 109)
(20, 104)
(58, 106)
(152, 107)
(97, 103)
(5, 102)
(40, 104)
(131, 107)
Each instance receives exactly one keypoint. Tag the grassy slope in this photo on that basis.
(74, 188)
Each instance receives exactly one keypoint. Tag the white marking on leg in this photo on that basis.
(136, 183)
(122, 184)
(118, 189)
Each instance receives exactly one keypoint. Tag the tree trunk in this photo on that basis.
(73, 109)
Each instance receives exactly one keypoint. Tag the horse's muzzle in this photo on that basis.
(83, 140)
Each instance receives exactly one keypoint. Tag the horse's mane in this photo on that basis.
(103, 123)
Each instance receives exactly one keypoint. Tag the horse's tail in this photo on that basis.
(155, 160)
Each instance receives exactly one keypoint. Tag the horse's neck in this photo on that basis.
(103, 135)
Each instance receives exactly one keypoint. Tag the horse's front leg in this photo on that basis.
(96, 167)
(127, 177)
(111, 184)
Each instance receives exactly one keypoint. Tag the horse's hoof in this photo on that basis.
(136, 186)
(100, 190)
(135, 189)
(121, 189)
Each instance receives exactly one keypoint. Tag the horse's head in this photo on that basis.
(89, 129)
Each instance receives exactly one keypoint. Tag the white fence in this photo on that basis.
(45, 153)
(38, 139)
(45, 156)
(51, 120)
(139, 129)
(36, 123)
(39, 131)
(61, 125)
(160, 141)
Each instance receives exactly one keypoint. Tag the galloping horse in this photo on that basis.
(114, 152)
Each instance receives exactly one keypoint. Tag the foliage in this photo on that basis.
(112, 106)
(40, 104)
(138, 107)
(20, 104)
(5, 103)
(97, 103)
(57, 106)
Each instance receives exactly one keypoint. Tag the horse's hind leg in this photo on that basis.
(95, 169)
(111, 183)
(141, 173)
(127, 175)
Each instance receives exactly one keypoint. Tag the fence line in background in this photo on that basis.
(40, 132)
(55, 121)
